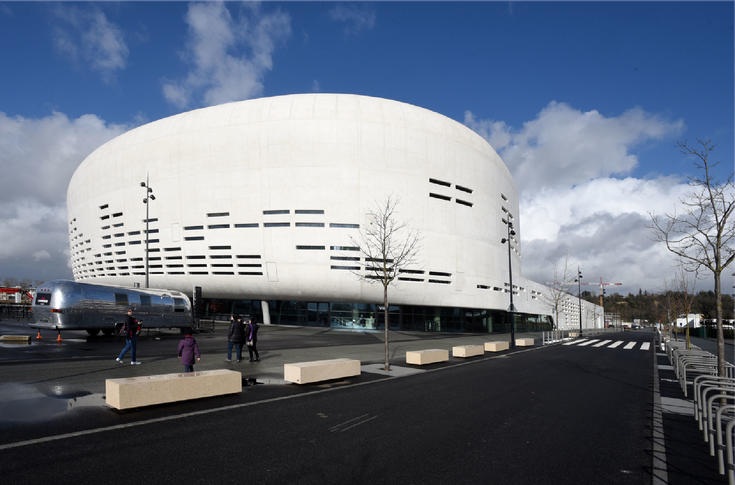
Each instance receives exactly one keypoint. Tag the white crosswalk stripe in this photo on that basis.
(630, 345)
(614, 345)
(575, 342)
(589, 342)
(604, 342)
(645, 345)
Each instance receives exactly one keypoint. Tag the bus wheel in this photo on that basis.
(93, 331)
(107, 331)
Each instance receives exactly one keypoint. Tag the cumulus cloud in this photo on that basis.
(577, 197)
(39, 156)
(355, 18)
(229, 56)
(85, 34)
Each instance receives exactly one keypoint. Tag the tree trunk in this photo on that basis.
(720, 333)
(385, 313)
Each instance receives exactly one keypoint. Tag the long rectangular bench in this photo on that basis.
(467, 350)
(525, 342)
(320, 370)
(133, 392)
(429, 356)
(497, 346)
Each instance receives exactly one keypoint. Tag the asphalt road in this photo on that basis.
(558, 414)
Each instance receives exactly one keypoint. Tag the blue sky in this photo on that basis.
(584, 101)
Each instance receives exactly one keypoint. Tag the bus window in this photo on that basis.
(43, 298)
(145, 300)
(121, 299)
(179, 305)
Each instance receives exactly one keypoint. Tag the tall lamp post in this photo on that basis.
(579, 297)
(512, 309)
(148, 197)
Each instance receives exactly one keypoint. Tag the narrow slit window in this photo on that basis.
(439, 281)
(276, 211)
(440, 182)
(351, 268)
(463, 202)
(463, 189)
(247, 224)
(172, 249)
(439, 196)
(117, 214)
(218, 214)
(309, 211)
(309, 224)
(104, 206)
(218, 226)
(220, 247)
(406, 278)
(276, 224)
(250, 273)
(439, 273)
(193, 238)
(195, 257)
(193, 228)
(249, 256)
(309, 247)
(344, 248)
(343, 225)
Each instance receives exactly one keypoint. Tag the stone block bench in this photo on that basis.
(497, 346)
(133, 392)
(467, 350)
(320, 370)
(16, 339)
(524, 342)
(429, 356)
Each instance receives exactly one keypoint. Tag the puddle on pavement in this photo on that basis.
(26, 403)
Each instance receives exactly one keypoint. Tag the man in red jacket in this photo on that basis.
(131, 329)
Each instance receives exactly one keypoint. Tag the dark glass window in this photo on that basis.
(463, 202)
(309, 224)
(218, 226)
(277, 211)
(218, 214)
(463, 189)
(247, 224)
(121, 298)
(309, 211)
(220, 247)
(349, 226)
(440, 182)
(309, 247)
(276, 224)
(194, 238)
(439, 196)
(193, 228)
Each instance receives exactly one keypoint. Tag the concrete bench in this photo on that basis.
(497, 346)
(320, 370)
(573, 334)
(133, 392)
(467, 350)
(16, 339)
(525, 342)
(429, 356)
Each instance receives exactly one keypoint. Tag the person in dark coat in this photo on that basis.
(235, 337)
(251, 329)
(188, 348)
(131, 329)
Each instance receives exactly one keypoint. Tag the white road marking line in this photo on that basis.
(589, 342)
(645, 345)
(615, 345)
(575, 342)
(604, 342)
(630, 345)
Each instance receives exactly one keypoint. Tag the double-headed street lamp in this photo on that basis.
(579, 297)
(148, 197)
(512, 309)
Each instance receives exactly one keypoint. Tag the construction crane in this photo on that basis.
(602, 285)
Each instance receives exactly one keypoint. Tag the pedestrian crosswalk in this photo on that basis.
(609, 344)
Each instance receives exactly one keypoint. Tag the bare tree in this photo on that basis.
(387, 245)
(703, 234)
(684, 296)
(557, 288)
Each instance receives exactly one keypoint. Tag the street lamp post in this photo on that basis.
(579, 297)
(512, 309)
(148, 197)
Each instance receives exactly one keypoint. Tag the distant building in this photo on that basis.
(260, 203)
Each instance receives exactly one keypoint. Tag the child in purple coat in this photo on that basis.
(188, 348)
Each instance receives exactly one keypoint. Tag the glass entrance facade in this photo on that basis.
(367, 316)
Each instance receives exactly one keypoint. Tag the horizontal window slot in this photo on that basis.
(376, 260)
(174, 265)
(120, 244)
(248, 256)
(193, 238)
(344, 248)
(153, 250)
(175, 272)
(106, 237)
(195, 257)
(502, 196)
(463, 202)
(309, 247)
(439, 196)
(139, 266)
(193, 228)
(342, 225)
(440, 182)
(309, 224)
(119, 224)
(483, 287)
(250, 265)
(172, 249)
(197, 265)
(406, 278)
(276, 224)
(411, 271)
(345, 258)
(220, 247)
(463, 189)
(173, 257)
(105, 227)
(117, 214)
(119, 234)
(155, 266)
(250, 273)
(107, 245)
(440, 281)
(218, 226)
(107, 216)
(136, 259)
(276, 211)
(152, 219)
(104, 206)
(221, 256)
(351, 268)
(439, 273)
(154, 241)
(221, 265)
(156, 272)
(198, 272)
(309, 211)
(151, 231)
(218, 214)
(223, 272)
(247, 224)
(133, 233)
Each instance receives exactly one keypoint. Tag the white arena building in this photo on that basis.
(260, 203)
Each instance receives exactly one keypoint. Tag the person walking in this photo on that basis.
(130, 329)
(252, 340)
(235, 337)
(188, 348)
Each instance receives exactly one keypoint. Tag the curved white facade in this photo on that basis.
(263, 199)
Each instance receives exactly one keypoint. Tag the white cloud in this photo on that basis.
(85, 34)
(354, 17)
(229, 56)
(577, 197)
(39, 156)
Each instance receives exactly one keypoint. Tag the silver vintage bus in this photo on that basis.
(68, 305)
